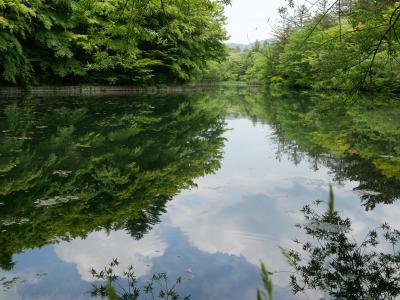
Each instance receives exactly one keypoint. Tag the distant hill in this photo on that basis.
(242, 47)
(245, 47)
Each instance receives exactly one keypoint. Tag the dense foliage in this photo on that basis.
(241, 65)
(338, 45)
(109, 41)
(341, 44)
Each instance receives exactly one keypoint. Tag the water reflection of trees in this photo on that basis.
(353, 139)
(356, 137)
(334, 262)
(72, 166)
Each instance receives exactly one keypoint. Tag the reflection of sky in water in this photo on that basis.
(213, 236)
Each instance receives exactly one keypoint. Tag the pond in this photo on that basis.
(203, 186)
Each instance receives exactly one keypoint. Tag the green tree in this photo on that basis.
(343, 45)
(110, 41)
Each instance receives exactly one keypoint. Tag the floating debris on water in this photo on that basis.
(389, 156)
(23, 138)
(308, 181)
(83, 146)
(8, 283)
(7, 168)
(62, 173)
(15, 221)
(325, 226)
(367, 192)
(55, 200)
(312, 181)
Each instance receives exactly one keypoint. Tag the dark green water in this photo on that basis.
(203, 186)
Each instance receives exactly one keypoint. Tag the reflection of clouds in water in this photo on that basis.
(248, 208)
(250, 226)
(348, 204)
(234, 220)
(98, 249)
(10, 294)
(390, 214)
(381, 214)
(251, 205)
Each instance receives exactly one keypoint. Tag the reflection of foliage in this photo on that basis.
(357, 140)
(355, 137)
(8, 283)
(73, 166)
(158, 286)
(337, 264)
(348, 134)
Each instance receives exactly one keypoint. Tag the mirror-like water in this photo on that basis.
(201, 186)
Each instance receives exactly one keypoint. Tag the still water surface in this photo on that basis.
(201, 185)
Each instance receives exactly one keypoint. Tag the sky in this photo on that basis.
(248, 19)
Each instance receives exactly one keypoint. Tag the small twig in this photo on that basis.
(319, 22)
(340, 21)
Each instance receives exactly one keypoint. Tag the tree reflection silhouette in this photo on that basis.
(73, 166)
(355, 136)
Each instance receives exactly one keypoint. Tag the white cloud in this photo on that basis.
(98, 249)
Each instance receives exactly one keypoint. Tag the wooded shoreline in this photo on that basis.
(82, 90)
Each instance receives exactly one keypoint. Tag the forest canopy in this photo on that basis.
(323, 44)
(341, 44)
(326, 44)
(108, 41)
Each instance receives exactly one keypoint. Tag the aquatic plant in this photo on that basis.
(126, 287)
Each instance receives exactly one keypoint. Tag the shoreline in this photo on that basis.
(93, 90)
